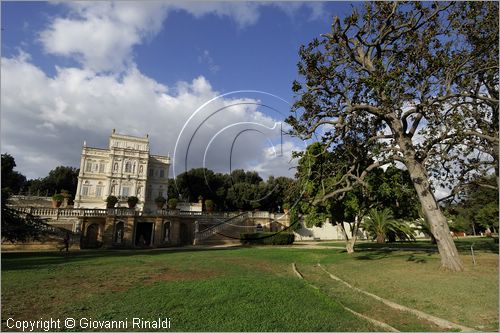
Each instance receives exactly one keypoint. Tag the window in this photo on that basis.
(151, 172)
(95, 166)
(98, 190)
(86, 189)
(128, 167)
(125, 191)
(162, 173)
(101, 167)
(88, 167)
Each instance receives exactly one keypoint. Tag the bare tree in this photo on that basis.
(403, 76)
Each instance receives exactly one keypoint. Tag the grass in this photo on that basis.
(463, 244)
(248, 289)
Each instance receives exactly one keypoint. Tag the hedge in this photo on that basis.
(267, 238)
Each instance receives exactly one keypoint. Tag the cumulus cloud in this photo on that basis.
(46, 119)
(101, 35)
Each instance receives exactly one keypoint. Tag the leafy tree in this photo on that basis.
(389, 73)
(238, 190)
(58, 179)
(21, 227)
(393, 189)
(321, 171)
(476, 97)
(477, 208)
(11, 180)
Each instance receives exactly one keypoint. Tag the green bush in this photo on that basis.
(132, 201)
(160, 202)
(267, 238)
(172, 203)
(111, 201)
(209, 204)
(58, 197)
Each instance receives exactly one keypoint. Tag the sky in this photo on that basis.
(210, 82)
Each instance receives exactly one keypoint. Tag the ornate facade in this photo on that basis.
(124, 169)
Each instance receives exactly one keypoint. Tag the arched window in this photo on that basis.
(128, 167)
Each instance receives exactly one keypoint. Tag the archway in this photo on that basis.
(184, 234)
(166, 232)
(92, 235)
(143, 234)
(118, 237)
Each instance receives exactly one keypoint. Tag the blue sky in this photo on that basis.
(73, 71)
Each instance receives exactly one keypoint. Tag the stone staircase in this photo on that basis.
(223, 230)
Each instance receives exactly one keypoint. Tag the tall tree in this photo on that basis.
(58, 179)
(12, 180)
(321, 172)
(477, 209)
(21, 227)
(398, 69)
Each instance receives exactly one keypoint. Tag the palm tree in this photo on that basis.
(380, 223)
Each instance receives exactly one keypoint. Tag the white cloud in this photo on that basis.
(101, 35)
(206, 58)
(46, 119)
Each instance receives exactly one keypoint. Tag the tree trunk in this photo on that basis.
(439, 227)
(349, 243)
(381, 238)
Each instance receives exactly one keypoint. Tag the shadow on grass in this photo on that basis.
(463, 245)
(28, 260)
(374, 255)
(417, 257)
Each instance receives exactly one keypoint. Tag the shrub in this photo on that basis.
(172, 203)
(132, 201)
(160, 199)
(209, 204)
(111, 201)
(267, 238)
(58, 197)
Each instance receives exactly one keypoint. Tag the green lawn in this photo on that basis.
(463, 244)
(248, 289)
